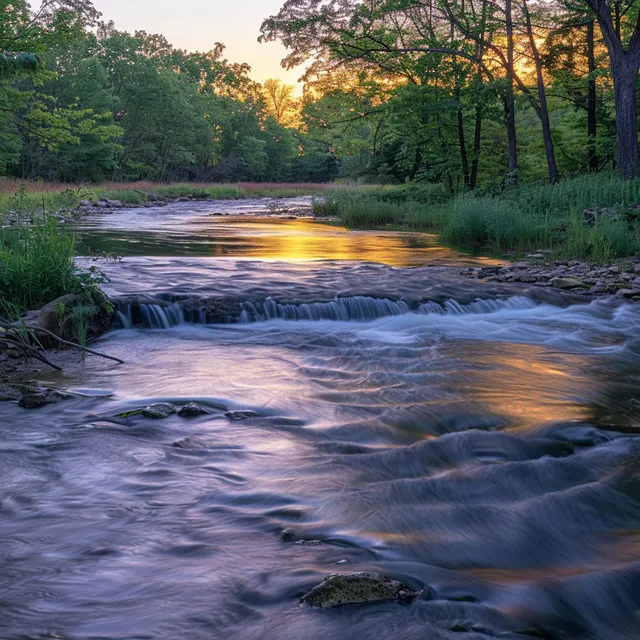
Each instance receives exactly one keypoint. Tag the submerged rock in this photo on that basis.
(34, 401)
(158, 411)
(37, 397)
(357, 588)
(241, 415)
(189, 444)
(192, 410)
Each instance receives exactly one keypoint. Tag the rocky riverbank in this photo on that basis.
(621, 279)
(276, 207)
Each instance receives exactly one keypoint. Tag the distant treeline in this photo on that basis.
(82, 101)
(474, 94)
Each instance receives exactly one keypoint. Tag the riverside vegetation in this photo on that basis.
(401, 103)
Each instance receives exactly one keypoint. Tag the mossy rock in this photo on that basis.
(357, 588)
(61, 317)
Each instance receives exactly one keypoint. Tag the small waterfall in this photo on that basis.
(454, 308)
(163, 315)
(356, 308)
(151, 315)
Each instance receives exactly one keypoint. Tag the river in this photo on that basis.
(477, 441)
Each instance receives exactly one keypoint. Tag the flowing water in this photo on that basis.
(476, 441)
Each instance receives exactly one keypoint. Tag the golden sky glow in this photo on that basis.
(196, 25)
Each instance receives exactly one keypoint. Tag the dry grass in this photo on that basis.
(9, 186)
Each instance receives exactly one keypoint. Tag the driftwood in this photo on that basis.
(9, 337)
(28, 351)
(74, 344)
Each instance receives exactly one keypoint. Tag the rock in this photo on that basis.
(568, 283)
(13, 354)
(614, 269)
(191, 410)
(636, 269)
(241, 415)
(288, 535)
(39, 397)
(357, 588)
(58, 318)
(114, 204)
(34, 401)
(308, 543)
(158, 411)
(101, 204)
(85, 203)
(189, 444)
(626, 293)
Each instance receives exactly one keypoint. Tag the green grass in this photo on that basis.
(521, 219)
(36, 266)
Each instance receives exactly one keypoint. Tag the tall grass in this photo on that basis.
(520, 219)
(36, 265)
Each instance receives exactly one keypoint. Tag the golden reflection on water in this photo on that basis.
(528, 385)
(304, 239)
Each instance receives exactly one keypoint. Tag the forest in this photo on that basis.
(459, 93)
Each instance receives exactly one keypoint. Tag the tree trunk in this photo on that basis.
(543, 110)
(624, 70)
(509, 102)
(592, 122)
(625, 73)
(463, 151)
(476, 150)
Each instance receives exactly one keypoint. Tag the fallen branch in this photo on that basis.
(28, 351)
(73, 344)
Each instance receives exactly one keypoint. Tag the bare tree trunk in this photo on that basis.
(509, 102)
(592, 122)
(543, 112)
(624, 70)
(476, 149)
(625, 73)
(463, 151)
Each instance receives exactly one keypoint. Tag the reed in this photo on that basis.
(36, 265)
(520, 219)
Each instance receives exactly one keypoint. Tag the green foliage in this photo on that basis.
(518, 220)
(36, 265)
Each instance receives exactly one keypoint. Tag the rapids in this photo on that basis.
(476, 441)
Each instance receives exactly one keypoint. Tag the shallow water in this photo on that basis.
(476, 441)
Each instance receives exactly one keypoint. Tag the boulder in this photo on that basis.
(568, 283)
(357, 588)
(158, 411)
(33, 401)
(192, 410)
(58, 317)
(41, 397)
(114, 204)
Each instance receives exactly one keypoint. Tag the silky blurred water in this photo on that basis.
(487, 454)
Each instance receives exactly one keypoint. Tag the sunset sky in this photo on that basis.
(199, 24)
